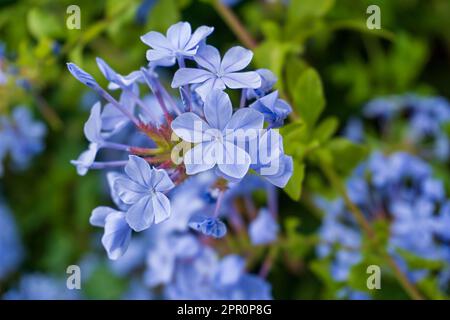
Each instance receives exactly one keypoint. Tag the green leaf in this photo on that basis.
(294, 186)
(326, 129)
(345, 154)
(44, 24)
(296, 244)
(301, 9)
(430, 287)
(416, 262)
(308, 97)
(163, 15)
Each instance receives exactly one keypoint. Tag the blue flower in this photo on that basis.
(275, 110)
(162, 258)
(117, 234)
(143, 11)
(92, 131)
(84, 77)
(263, 229)
(216, 136)
(37, 286)
(23, 136)
(116, 80)
(268, 80)
(113, 120)
(205, 277)
(270, 161)
(217, 73)
(143, 189)
(178, 42)
(209, 226)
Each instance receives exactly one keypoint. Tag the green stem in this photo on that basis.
(235, 25)
(409, 287)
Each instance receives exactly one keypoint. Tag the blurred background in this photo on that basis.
(372, 85)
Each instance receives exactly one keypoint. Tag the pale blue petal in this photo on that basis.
(236, 59)
(244, 125)
(270, 147)
(218, 109)
(117, 235)
(85, 160)
(185, 76)
(111, 177)
(191, 128)
(129, 191)
(141, 215)
(179, 34)
(205, 88)
(236, 163)
(200, 158)
(157, 41)
(284, 174)
(108, 72)
(199, 34)
(238, 80)
(161, 207)
(139, 171)
(113, 120)
(161, 181)
(98, 216)
(208, 57)
(156, 55)
(82, 76)
(93, 125)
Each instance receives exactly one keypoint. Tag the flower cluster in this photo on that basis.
(21, 137)
(399, 188)
(177, 264)
(418, 122)
(180, 139)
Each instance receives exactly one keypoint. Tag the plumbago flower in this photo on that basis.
(400, 188)
(216, 136)
(177, 194)
(178, 43)
(422, 119)
(218, 73)
(21, 137)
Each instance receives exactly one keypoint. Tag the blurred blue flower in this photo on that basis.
(401, 188)
(264, 228)
(11, 251)
(208, 278)
(21, 136)
(144, 10)
(38, 286)
(209, 226)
